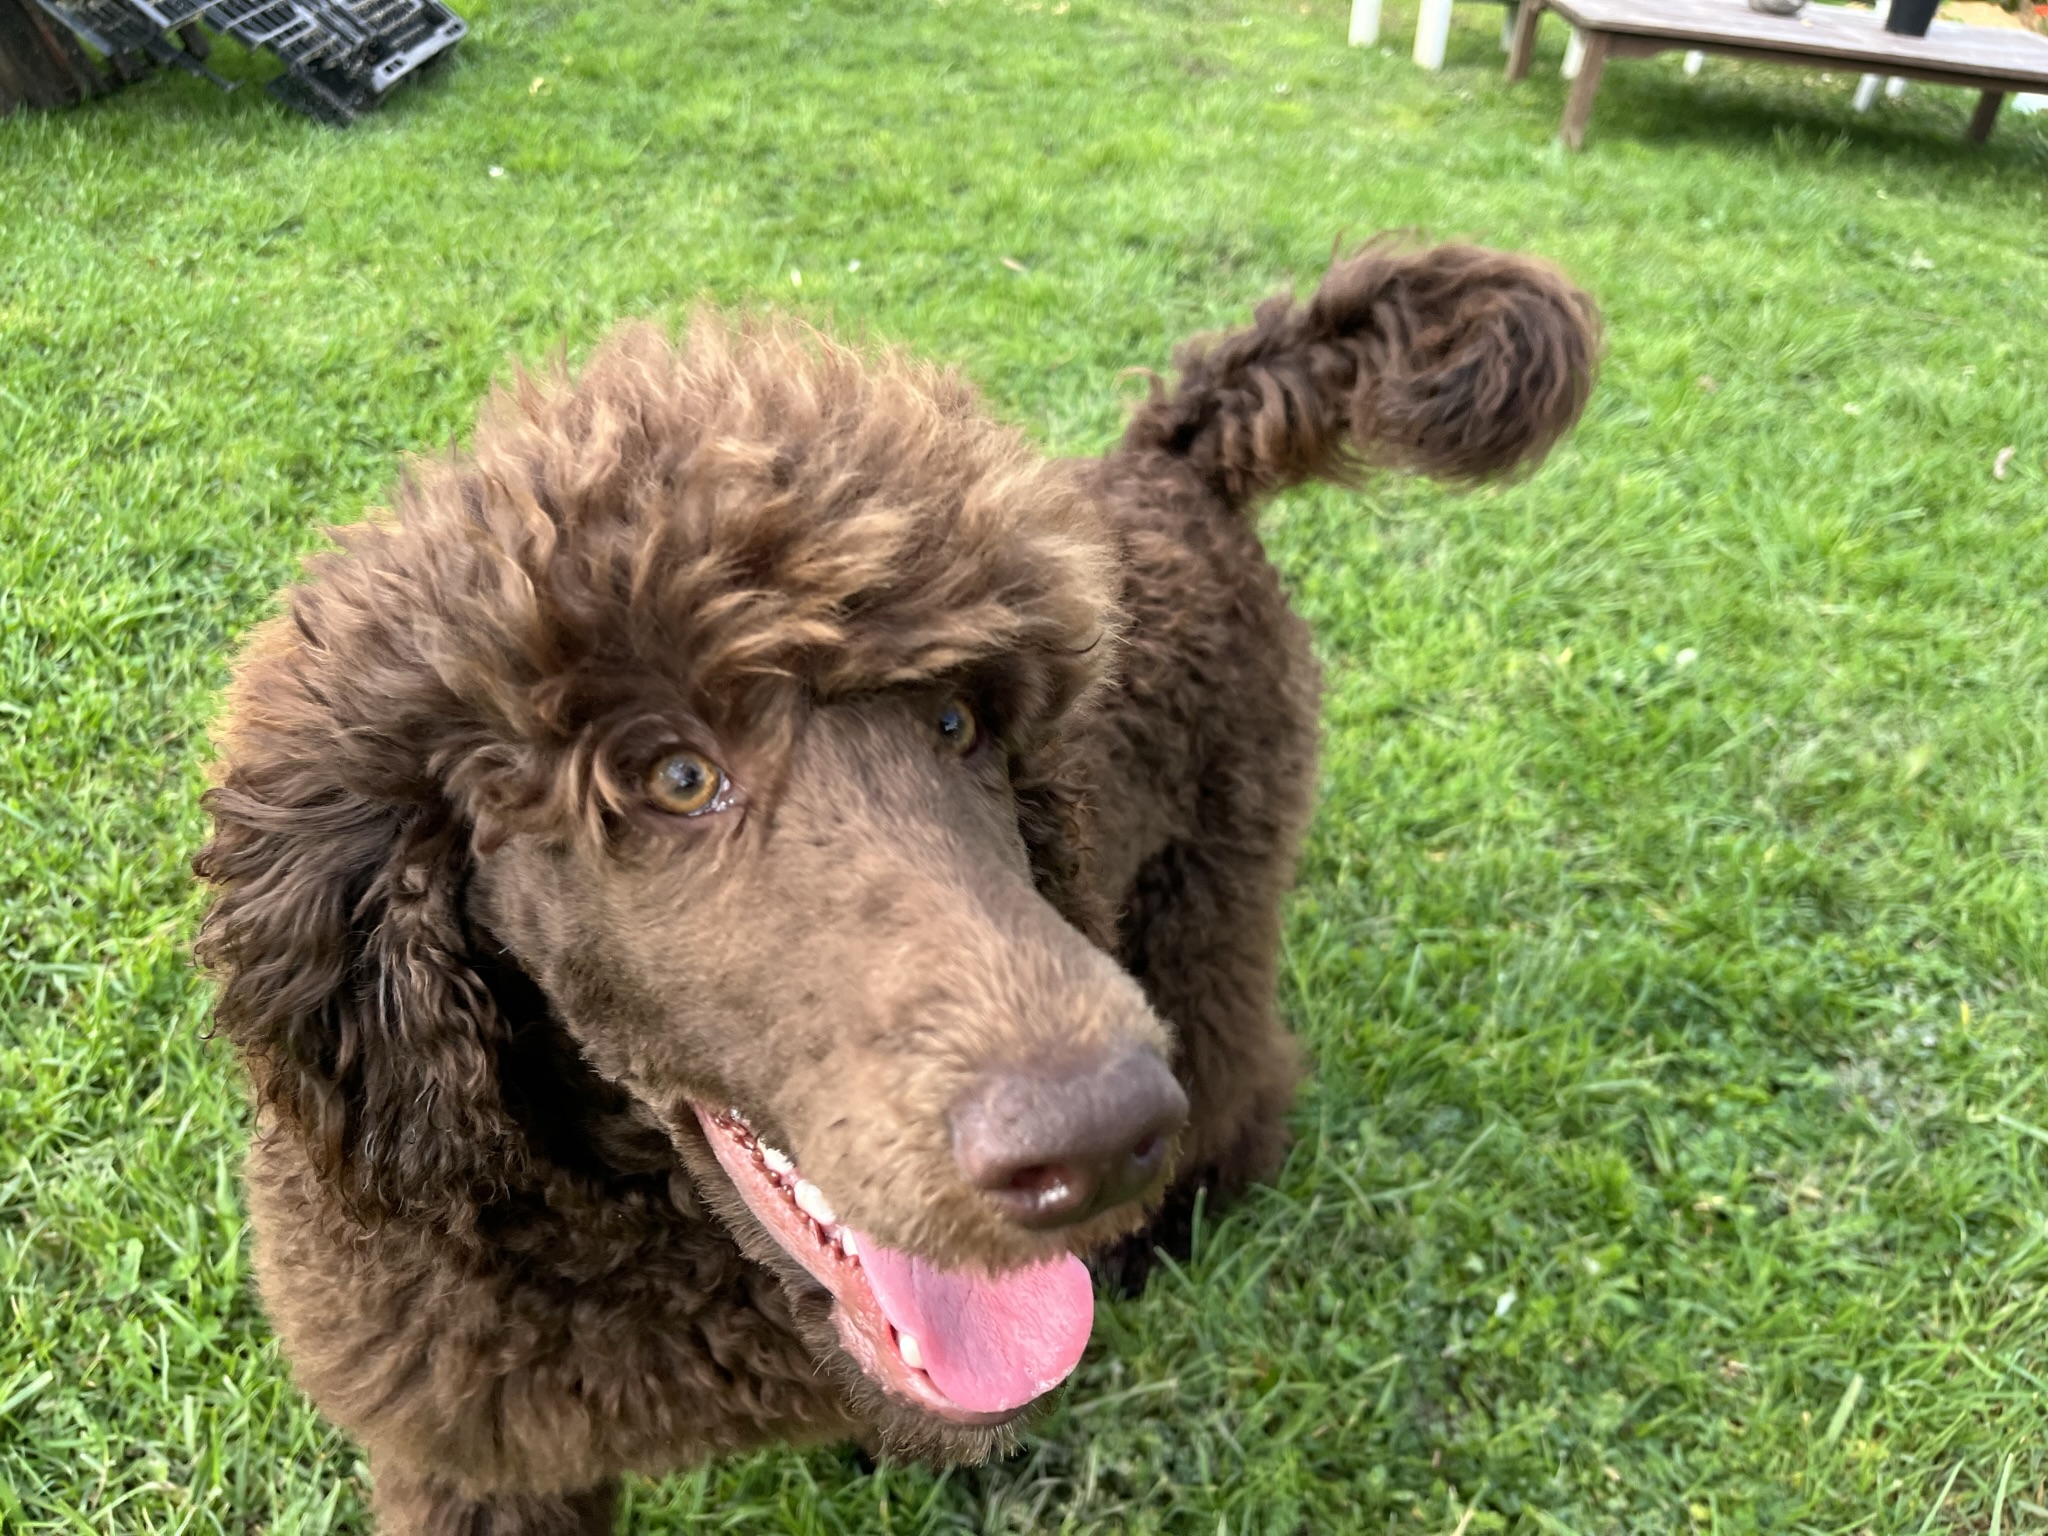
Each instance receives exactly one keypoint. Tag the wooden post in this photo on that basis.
(41, 63)
(1578, 108)
(1986, 114)
(1523, 48)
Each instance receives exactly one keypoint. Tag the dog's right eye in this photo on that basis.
(958, 729)
(684, 783)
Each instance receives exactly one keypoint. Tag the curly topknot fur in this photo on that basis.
(480, 980)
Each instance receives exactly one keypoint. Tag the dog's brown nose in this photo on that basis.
(1054, 1148)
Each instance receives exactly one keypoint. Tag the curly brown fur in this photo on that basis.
(480, 981)
(1458, 362)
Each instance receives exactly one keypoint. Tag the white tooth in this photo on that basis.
(846, 1243)
(906, 1346)
(777, 1161)
(812, 1202)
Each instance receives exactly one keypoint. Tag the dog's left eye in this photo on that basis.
(684, 783)
(958, 729)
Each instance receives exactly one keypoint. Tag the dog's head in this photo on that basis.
(717, 697)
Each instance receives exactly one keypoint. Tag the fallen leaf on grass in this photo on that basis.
(1998, 464)
(1014, 264)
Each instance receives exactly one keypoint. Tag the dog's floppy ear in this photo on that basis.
(336, 937)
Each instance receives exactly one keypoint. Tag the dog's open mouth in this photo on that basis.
(972, 1348)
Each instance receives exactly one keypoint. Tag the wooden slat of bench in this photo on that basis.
(1950, 53)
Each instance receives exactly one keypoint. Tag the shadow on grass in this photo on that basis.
(1748, 113)
(1787, 111)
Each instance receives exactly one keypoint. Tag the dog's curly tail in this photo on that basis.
(1452, 361)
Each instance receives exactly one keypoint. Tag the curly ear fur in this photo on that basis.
(1454, 361)
(337, 938)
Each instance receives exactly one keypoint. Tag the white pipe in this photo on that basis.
(1432, 33)
(1574, 55)
(1866, 88)
(1693, 61)
(1365, 23)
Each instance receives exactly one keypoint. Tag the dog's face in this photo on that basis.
(908, 1084)
(724, 690)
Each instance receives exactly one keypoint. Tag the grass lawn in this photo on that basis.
(1672, 940)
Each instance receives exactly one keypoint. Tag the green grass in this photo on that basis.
(1671, 940)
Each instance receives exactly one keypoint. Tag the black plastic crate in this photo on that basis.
(340, 56)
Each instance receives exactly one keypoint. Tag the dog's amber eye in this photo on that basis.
(684, 783)
(957, 727)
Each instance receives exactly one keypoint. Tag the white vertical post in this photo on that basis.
(1507, 29)
(1365, 23)
(1894, 88)
(1574, 55)
(1693, 61)
(1432, 33)
(1866, 88)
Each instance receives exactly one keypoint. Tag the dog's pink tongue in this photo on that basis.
(990, 1342)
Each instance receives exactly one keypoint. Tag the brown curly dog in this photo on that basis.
(745, 876)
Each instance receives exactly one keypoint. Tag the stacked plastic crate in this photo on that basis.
(340, 56)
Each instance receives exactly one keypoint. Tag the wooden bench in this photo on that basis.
(1988, 60)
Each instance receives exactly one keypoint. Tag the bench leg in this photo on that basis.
(1523, 48)
(1574, 55)
(1986, 114)
(1578, 107)
(1432, 33)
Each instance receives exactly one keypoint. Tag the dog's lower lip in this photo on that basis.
(833, 1261)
